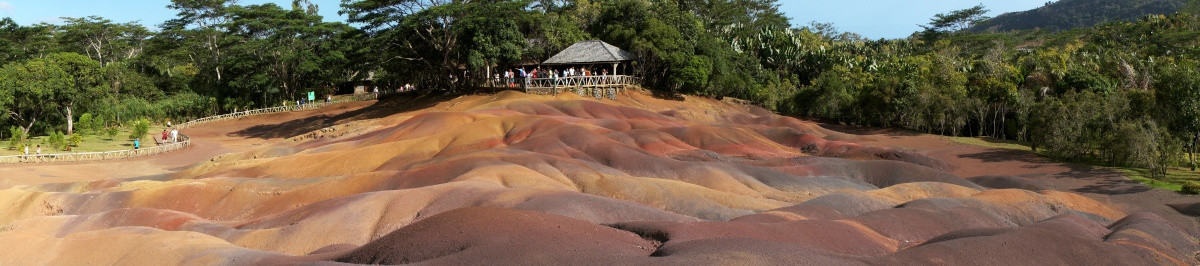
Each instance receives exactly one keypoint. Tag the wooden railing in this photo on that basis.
(183, 143)
(595, 86)
(278, 109)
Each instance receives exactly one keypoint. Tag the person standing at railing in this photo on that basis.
(524, 77)
(174, 135)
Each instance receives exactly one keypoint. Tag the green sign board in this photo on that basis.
(312, 96)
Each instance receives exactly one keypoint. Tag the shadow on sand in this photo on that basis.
(386, 106)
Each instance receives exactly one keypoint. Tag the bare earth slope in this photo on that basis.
(515, 178)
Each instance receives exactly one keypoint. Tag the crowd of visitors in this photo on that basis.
(518, 76)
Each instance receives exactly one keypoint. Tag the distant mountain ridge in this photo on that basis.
(1071, 14)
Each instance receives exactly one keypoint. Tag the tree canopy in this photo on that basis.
(1070, 94)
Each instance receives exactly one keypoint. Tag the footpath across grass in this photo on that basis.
(98, 142)
(1176, 178)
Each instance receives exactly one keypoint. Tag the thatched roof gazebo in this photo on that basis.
(592, 52)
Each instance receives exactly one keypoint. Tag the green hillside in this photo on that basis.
(1072, 14)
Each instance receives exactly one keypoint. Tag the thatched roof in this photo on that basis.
(589, 52)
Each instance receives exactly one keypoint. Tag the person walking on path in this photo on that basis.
(174, 135)
(136, 144)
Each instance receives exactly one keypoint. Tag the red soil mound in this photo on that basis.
(502, 236)
(512, 178)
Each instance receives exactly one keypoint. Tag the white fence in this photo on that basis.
(183, 143)
(278, 109)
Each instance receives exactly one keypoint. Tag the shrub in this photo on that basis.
(74, 140)
(18, 137)
(112, 132)
(86, 124)
(56, 140)
(140, 128)
(1190, 187)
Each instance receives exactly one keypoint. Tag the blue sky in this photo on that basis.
(876, 19)
(871, 18)
(149, 12)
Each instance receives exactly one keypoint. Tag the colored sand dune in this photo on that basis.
(512, 178)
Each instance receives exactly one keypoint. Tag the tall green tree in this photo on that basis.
(20, 43)
(1178, 88)
(429, 40)
(32, 88)
(282, 53)
(103, 40)
(946, 23)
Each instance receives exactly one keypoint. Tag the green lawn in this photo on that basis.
(992, 143)
(1174, 180)
(91, 143)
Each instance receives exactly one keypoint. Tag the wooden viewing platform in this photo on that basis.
(593, 86)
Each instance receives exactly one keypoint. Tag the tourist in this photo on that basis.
(136, 144)
(524, 77)
(174, 135)
(39, 150)
(512, 78)
(507, 75)
(26, 150)
(164, 136)
(554, 76)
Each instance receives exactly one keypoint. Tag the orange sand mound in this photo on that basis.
(511, 178)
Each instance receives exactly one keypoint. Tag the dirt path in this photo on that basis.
(1099, 183)
(208, 140)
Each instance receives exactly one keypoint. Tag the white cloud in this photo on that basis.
(6, 7)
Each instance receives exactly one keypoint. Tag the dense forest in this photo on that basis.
(1072, 14)
(1122, 93)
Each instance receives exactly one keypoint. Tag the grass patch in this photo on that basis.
(1173, 180)
(1178, 179)
(91, 143)
(988, 142)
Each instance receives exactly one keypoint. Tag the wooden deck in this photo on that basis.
(592, 86)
